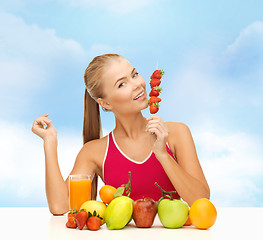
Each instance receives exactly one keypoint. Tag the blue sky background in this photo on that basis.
(212, 54)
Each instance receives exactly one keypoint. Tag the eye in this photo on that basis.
(122, 84)
(135, 75)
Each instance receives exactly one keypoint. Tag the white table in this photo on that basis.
(38, 223)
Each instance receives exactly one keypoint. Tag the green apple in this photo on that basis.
(173, 213)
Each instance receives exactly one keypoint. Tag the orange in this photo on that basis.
(106, 193)
(188, 222)
(203, 213)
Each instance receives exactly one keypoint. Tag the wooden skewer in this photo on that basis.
(157, 66)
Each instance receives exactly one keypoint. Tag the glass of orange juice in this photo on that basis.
(79, 190)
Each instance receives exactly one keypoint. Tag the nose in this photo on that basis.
(138, 83)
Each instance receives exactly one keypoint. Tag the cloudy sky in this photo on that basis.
(211, 52)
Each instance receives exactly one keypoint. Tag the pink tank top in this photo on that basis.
(116, 166)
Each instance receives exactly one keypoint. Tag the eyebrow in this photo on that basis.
(123, 77)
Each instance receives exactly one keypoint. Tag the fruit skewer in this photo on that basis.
(155, 90)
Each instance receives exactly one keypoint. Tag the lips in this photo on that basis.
(139, 95)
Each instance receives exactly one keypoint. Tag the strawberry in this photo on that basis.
(157, 74)
(155, 82)
(81, 218)
(155, 91)
(72, 213)
(154, 99)
(71, 223)
(94, 221)
(154, 108)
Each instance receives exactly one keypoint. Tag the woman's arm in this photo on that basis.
(186, 174)
(56, 187)
(57, 190)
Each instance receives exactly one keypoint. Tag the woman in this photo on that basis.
(113, 83)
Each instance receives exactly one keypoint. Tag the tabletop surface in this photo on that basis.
(39, 223)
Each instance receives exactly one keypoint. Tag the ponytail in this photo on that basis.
(92, 123)
(91, 130)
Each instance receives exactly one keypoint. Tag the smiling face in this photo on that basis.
(124, 89)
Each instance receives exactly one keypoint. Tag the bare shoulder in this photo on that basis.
(96, 144)
(95, 148)
(92, 152)
(177, 128)
(179, 134)
(90, 157)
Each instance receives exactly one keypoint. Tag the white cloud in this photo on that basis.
(250, 37)
(204, 86)
(98, 49)
(115, 6)
(22, 172)
(30, 41)
(209, 83)
(232, 163)
(217, 95)
(33, 60)
(242, 61)
(194, 91)
(29, 57)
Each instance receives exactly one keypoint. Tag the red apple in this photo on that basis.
(144, 212)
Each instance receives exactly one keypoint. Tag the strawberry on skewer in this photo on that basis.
(155, 91)
(155, 82)
(154, 108)
(157, 74)
(154, 99)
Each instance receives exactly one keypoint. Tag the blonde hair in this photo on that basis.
(92, 123)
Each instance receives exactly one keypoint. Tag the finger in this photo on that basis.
(163, 133)
(43, 123)
(49, 125)
(155, 131)
(153, 117)
(45, 119)
(45, 115)
(37, 122)
(160, 130)
(160, 122)
(36, 126)
(152, 125)
(157, 123)
(154, 120)
(158, 119)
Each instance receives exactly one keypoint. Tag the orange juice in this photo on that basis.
(79, 190)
